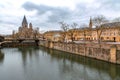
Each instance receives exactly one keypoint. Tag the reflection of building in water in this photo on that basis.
(28, 53)
(1, 57)
(26, 31)
(77, 67)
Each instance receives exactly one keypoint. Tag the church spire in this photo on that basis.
(90, 23)
(30, 25)
(24, 22)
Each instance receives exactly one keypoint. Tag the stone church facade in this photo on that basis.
(26, 31)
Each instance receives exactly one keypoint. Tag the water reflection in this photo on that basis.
(28, 53)
(1, 57)
(39, 63)
(91, 69)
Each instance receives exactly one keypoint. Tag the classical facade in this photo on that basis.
(26, 31)
(53, 35)
(108, 32)
(84, 33)
(111, 32)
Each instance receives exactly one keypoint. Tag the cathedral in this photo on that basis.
(26, 31)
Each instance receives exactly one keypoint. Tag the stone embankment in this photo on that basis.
(103, 51)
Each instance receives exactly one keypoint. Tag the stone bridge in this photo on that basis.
(26, 40)
(19, 41)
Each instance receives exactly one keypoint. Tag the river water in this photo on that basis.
(39, 63)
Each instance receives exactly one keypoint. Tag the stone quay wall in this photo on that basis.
(103, 51)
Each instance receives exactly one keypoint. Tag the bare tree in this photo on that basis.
(72, 31)
(84, 28)
(65, 28)
(98, 21)
(36, 32)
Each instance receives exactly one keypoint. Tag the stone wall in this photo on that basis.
(105, 52)
(81, 49)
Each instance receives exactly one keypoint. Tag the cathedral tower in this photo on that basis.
(24, 22)
(30, 25)
(90, 23)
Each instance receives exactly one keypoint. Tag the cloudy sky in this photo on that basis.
(46, 14)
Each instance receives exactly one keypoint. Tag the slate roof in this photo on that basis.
(113, 24)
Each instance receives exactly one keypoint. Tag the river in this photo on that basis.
(39, 63)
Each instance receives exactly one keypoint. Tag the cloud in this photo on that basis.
(54, 14)
(46, 14)
(7, 28)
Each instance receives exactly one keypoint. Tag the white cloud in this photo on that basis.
(46, 14)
